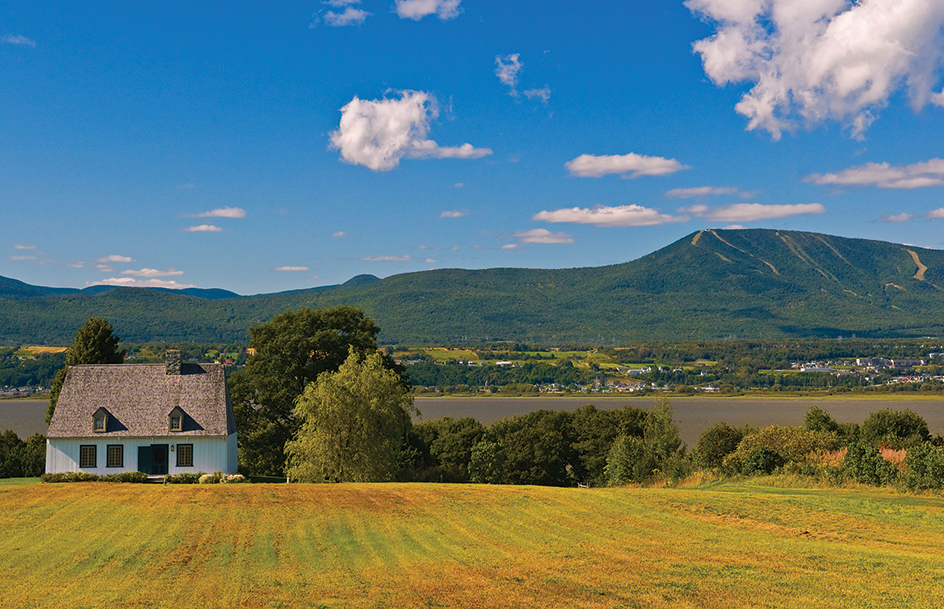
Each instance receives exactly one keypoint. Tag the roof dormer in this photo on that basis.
(175, 420)
(100, 420)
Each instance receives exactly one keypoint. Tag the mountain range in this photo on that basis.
(745, 283)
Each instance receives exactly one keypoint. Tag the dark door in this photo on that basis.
(144, 459)
(159, 459)
(152, 460)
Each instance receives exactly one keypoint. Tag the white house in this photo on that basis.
(156, 418)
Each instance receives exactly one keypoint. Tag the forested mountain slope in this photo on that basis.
(711, 284)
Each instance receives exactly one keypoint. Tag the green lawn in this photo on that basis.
(412, 545)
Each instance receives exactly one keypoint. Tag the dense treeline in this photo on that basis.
(457, 375)
(36, 371)
(19, 458)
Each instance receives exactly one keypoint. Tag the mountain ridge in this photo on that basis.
(711, 283)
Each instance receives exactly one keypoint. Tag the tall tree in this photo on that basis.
(94, 343)
(353, 424)
(290, 352)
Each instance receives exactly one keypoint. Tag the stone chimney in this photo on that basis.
(172, 362)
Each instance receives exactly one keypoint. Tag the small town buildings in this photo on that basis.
(155, 418)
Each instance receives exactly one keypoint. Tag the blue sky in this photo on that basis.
(262, 149)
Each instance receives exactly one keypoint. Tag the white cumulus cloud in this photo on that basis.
(223, 212)
(292, 269)
(542, 235)
(937, 213)
(116, 258)
(417, 9)
(204, 228)
(621, 215)
(378, 133)
(749, 212)
(883, 175)
(823, 60)
(592, 166)
(130, 282)
(152, 273)
(895, 218)
(700, 191)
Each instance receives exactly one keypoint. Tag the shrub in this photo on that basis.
(793, 444)
(233, 479)
(183, 478)
(715, 444)
(69, 477)
(895, 429)
(213, 478)
(864, 463)
(133, 477)
(762, 460)
(925, 467)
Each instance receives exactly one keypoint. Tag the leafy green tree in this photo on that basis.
(353, 424)
(487, 462)
(716, 443)
(895, 429)
(633, 459)
(94, 343)
(629, 460)
(817, 419)
(291, 351)
(537, 448)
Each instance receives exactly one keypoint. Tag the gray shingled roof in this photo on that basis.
(140, 397)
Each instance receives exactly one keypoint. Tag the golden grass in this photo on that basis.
(37, 350)
(409, 545)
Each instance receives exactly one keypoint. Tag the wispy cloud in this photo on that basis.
(883, 175)
(187, 186)
(937, 213)
(152, 273)
(340, 233)
(895, 218)
(130, 282)
(507, 71)
(24, 247)
(542, 235)
(116, 258)
(701, 191)
(386, 258)
(17, 40)
(417, 9)
(204, 228)
(378, 133)
(821, 60)
(223, 212)
(23, 258)
(292, 269)
(543, 94)
(621, 215)
(452, 214)
(350, 16)
(750, 212)
(592, 166)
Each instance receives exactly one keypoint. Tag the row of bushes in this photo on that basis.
(134, 477)
(203, 478)
(183, 478)
(890, 448)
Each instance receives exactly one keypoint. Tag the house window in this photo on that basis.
(176, 422)
(100, 422)
(87, 453)
(116, 455)
(185, 455)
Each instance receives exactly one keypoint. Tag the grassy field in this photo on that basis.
(410, 545)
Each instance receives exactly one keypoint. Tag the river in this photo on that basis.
(694, 414)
